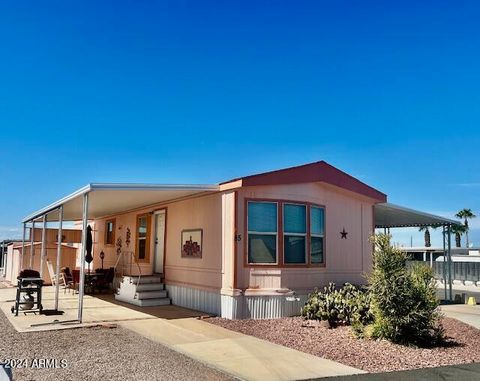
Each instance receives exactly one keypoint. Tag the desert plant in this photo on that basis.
(347, 305)
(404, 302)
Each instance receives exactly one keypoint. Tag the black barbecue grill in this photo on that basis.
(29, 292)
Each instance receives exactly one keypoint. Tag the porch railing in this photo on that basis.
(126, 260)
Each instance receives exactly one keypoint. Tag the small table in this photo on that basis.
(90, 282)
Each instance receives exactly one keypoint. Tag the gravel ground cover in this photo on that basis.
(97, 353)
(373, 356)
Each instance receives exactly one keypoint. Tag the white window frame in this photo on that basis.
(305, 235)
(262, 233)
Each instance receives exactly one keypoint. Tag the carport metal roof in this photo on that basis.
(108, 199)
(394, 216)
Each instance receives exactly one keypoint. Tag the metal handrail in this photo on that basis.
(131, 259)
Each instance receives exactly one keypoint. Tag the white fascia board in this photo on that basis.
(57, 204)
(413, 211)
(154, 187)
(118, 187)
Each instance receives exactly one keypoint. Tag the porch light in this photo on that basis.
(102, 255)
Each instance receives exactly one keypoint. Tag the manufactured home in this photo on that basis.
(250, 247)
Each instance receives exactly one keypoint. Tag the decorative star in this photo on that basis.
(343, 234)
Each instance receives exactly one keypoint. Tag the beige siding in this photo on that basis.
(346, 259)
(203, 212)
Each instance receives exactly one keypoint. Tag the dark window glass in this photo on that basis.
(262, 248)
(316, 249)
(294, 249)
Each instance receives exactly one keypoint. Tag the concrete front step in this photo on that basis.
(147, 279)
(151, 294)
(150, 287)
(145, 302)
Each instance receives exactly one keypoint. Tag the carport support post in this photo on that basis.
(82, 259)
(32, 233)
(43, 253)
(445, 261)
(23, 246)
(59, 254)
(449, 252)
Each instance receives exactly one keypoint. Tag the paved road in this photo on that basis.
(465, 372)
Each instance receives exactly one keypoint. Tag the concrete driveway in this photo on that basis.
(464, 313)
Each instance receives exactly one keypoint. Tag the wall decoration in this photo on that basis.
(128, 236)
(119, 245)
(192, 243)
(343, 234)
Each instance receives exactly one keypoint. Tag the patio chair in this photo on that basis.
(75, 279)
(68, 278)
(61, 278)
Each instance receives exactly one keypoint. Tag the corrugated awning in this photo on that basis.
(108, 199)
(393, 216)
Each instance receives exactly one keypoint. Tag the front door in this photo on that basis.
(159, 241)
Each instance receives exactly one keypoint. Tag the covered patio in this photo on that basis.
(88, 203)
(97, 309)
(389, 216)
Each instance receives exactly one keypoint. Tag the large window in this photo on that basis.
(262, 232)
(294, 234)
(317, 227)
(143, 237)
(295, 237)
(110, 232)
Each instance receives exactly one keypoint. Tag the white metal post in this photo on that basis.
(2, 259)
(59, 254)
(82, 259)
(32, 233)
(23, 246)
(449, 243)
(43, 250)
(445, 261)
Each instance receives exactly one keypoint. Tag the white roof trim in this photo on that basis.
(414, 218)
(99, 187)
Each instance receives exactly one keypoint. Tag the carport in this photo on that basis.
(96, 201)
(388, 216)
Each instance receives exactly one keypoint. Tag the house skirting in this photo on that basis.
(261, 306)
(237, 307)
(195, 299)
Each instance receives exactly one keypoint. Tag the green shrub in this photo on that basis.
(404, 301)
(349, 305)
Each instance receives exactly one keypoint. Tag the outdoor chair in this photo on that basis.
(53, 277)
(67, 278)
(75, 279)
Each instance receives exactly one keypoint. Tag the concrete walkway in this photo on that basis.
(243, 356)
(236, 354)
(464, 313)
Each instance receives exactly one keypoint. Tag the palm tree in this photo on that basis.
(428, 243)
(466, 214)
(458, 230)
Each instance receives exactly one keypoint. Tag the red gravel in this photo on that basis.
(370, 355)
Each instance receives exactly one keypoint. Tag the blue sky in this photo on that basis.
(200, 92)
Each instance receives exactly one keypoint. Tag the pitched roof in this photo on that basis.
(319, 171)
